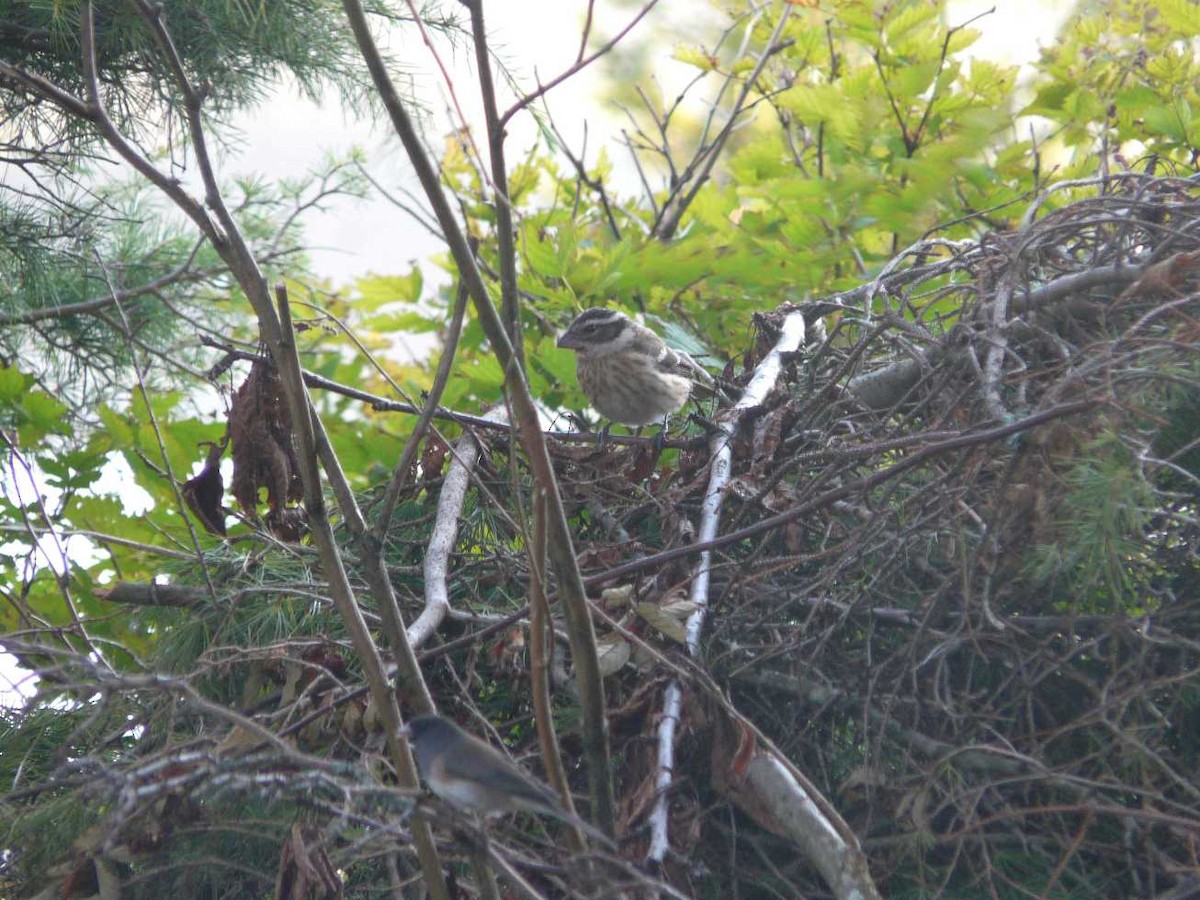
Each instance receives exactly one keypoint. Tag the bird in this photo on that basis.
(626, 370)
(470, 774)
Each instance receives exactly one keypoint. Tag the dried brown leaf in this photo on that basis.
(612, 652)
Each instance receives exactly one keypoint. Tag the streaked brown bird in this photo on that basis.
(626, 370)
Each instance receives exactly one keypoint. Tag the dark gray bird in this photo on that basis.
(468, 773)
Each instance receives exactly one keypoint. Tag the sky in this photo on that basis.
(290, 136)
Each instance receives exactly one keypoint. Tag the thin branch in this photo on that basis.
(407, 456)
(696, 175)
(579, 623)
(47, 90)
(510, 301)
(436, 567)
(580, 63)
(96, 113)
(464, 127)
(541, 650)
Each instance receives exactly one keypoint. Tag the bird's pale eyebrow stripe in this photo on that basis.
(598, 316)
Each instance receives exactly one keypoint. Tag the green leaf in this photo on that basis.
(12, 383)
(46, 412)
(402, 322)
(912, 81)
(961, 39)
(73, 470)
(909, 18)
(1166, 121)
(117, 427)
(379, 290)
(1182, 16)
(706, 62)
(816, 103)
(1049, 100)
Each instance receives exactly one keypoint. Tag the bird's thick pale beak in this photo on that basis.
(568, 341)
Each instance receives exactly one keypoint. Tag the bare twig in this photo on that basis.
(436, 567)
(579, 624)
(581, 62)
(688, 185)
(510, 301)
(407, 456)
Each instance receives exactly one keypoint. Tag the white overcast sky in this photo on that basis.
(290, 135)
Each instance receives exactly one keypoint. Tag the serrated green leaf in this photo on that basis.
(401, 322)
(12, 383)
(379, 290)
(1049, 100)
(961, 39)
(693, 56)
(1165, 121)
(913, 80)
(1182, 16)
(117, 427)
(907, 18)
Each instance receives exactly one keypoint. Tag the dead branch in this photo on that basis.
(579, 623)
(443, 538)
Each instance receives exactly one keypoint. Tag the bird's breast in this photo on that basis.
(630, 388)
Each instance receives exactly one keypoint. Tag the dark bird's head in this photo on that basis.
(598, 331)
(431, 734)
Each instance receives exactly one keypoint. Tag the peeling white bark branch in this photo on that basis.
(766, 374)
(776, 786)
(803, 819)
(445, 533)
(659, 825)
(764, 378)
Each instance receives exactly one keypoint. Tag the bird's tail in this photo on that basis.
(586, 827)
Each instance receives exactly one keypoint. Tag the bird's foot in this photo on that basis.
(602, 436)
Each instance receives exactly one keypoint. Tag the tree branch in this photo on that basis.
(579, 623)
(580, 63)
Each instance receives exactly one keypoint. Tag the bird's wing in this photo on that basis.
(503, 776)
(527, 792)
(677, 362)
